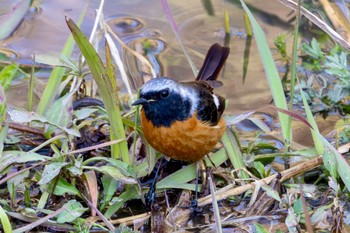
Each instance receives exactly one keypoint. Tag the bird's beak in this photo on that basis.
(140, 101)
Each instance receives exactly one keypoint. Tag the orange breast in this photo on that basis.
(187, 140)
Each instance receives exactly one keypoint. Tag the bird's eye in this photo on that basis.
(164, 93)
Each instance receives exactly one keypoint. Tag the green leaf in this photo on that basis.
(3, 112)
(260, 168)
(129, 194)
(188, 173)
(51, 171)
(73, 211)
(22, 116)
(123, 167)
(64, 187)
(56, 61)
(271, 192)
(332, 183)
(60, 114)
(76, 171)
(82, 114)
(308, 189)
(113, 172)
(7, 75)
(320, 214)
(343, 167)
(3, 136)
(317, 141)
(260, 123)
(330, 162)
(234, 153)
(5, 222)
(298, 206)
(180, 178)
(313, 49)
(9, 157)
(109, 187)
(144, 169)
(281, 45)
(259, 228)
(16, 184)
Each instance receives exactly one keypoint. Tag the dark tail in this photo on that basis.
(213, 62)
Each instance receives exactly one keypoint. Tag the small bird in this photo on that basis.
(183, 120)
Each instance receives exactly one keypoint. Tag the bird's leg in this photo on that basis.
(152, 190)
(194, 203)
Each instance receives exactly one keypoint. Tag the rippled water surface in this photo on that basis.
(44, 31)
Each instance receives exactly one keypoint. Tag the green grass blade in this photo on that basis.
(127, 195)
(342, 165)
(188, 173)
(105, 87)
(328, 159)
(5, 222)
(31, 87)
(259, 228)
(181, 176)
(234, 153)
(111, 74)
(294, 64)
(218, 224)
(317, 142)
(227, 24)
(247, 25)
(271, 72)
(113, 50)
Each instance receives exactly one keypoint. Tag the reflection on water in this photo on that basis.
(126, 25)
(7, 54)
(151, 48)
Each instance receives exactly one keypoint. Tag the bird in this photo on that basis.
(183, 120)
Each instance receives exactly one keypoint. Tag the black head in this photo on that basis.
(165, 101)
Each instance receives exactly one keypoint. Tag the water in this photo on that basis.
(139, 23)
(44, 31)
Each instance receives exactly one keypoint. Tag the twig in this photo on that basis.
(25, 128)
(39, 221)
(285, 175)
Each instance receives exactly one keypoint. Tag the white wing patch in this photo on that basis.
(216, 101)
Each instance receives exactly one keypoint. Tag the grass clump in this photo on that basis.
(69, 165)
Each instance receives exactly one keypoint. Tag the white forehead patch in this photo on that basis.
(186, 92)
(158, 84)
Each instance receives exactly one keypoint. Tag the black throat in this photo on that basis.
(164, 112)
